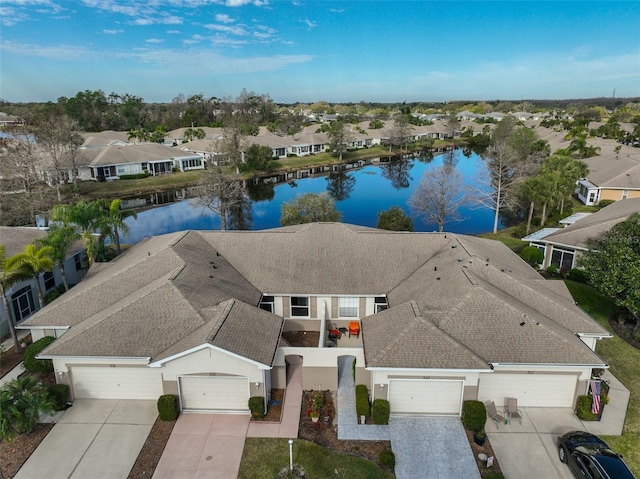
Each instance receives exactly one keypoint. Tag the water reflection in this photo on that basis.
(360, 191)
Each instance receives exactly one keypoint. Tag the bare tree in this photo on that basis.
(498, 192)
(339, 137)
(400, 132)
(440, 195)
(232, 144)
(220, 193)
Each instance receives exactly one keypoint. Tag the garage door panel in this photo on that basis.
(116, 383)
(425, 396)
(531, 390)
(214, 393)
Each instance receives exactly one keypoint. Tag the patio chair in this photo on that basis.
(354, 329)
(493, 413)
(512, 409)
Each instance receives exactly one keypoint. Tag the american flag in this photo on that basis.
(595, 393)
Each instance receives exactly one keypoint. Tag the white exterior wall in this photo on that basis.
(129, 169)
(209, 360)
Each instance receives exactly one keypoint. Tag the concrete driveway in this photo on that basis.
(432, 448)
(96, 438)
(529, 449)
(204, 445)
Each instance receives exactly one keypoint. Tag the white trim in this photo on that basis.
(160, 362)
(428, 371)
(88, 359)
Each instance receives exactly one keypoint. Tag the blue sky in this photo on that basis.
(387, 51)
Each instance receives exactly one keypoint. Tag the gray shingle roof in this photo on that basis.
(595, 225)
(455, 301)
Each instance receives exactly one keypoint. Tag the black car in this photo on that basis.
(588, 456)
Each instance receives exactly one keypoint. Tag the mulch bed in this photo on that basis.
(15, 453)
(10, 359)
(150, 454)
(325, 433)
(302, 339)
(274, 412)
(626, 331)
(488, 451)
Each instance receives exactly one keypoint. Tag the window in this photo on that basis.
(77, 259)
(592, 197)
(22, 302)
(562, 258)
(49, 281)
(267, 303)
(348, 307)
(380, 304)
(625, 194)
(300, 306)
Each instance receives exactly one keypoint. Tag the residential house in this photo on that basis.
(23, 296)
(562, 247)
(430, 318)
(612, 176)
(113, 161)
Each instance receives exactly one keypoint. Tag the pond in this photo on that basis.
(360, 195)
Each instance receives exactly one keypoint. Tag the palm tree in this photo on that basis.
(7, 279)
(533, 190)
(82, 218)
(33, 261)
(111, 221)
(22, 401)
(563, 172)
(60, 238)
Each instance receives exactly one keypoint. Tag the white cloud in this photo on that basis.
(157, 20)
(173, 32)
(224, 18)
(58, 52)
(154, 40)
(309, 23)
(240, 3)
(112, 32)
(235, 30)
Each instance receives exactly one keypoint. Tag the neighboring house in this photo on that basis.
(113, 161)
(443, 318)
(11, 120)
(23, 296)
(562, 247)
(611, 177)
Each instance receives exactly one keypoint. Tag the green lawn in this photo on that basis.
(624, 361)
(516, 245)
(265, 457)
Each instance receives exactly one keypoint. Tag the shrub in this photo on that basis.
(59, 394)
(552, 268)
(168, 407)
(532, 255)
(603, 203)
(38, 365)
(578, 275)
(387, 458)
(256, 406)
(21, 403)
(380, 410)
(363, 408)
(353, 365)
(136, 176)
(474, 415)
(583, 409)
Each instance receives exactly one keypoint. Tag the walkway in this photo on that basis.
(348, 427)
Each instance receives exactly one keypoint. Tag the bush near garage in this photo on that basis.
(363, 408)
(256, 406)
(387, 458)
(34, 365)
(380, 410)
(59, 394)
(168, 407)
(474, 415)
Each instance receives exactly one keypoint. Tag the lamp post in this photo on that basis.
(291, 454)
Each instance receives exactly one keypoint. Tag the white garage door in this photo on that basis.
(425, 396)
(225, 393)
(531, 390)
(116, 383)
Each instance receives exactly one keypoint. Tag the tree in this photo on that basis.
(33, 261)
(83, 218)
(220, 192)
(22, 401)
(534, 190)
(439, 195)
(340, 185)
(111, 221)
(339, 138)
(503, 130)
(8, 278)
(561, 173)
(498, 194)
(233, 143)
(60, 238)
(309, 208)
(398, 172)
(191, 133)
(612, 265)
(59, 139)
(394, 219)
(258, 157)
(400, 132)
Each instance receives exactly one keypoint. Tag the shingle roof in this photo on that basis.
(455, 301)
(595, 225)
(15, 238)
